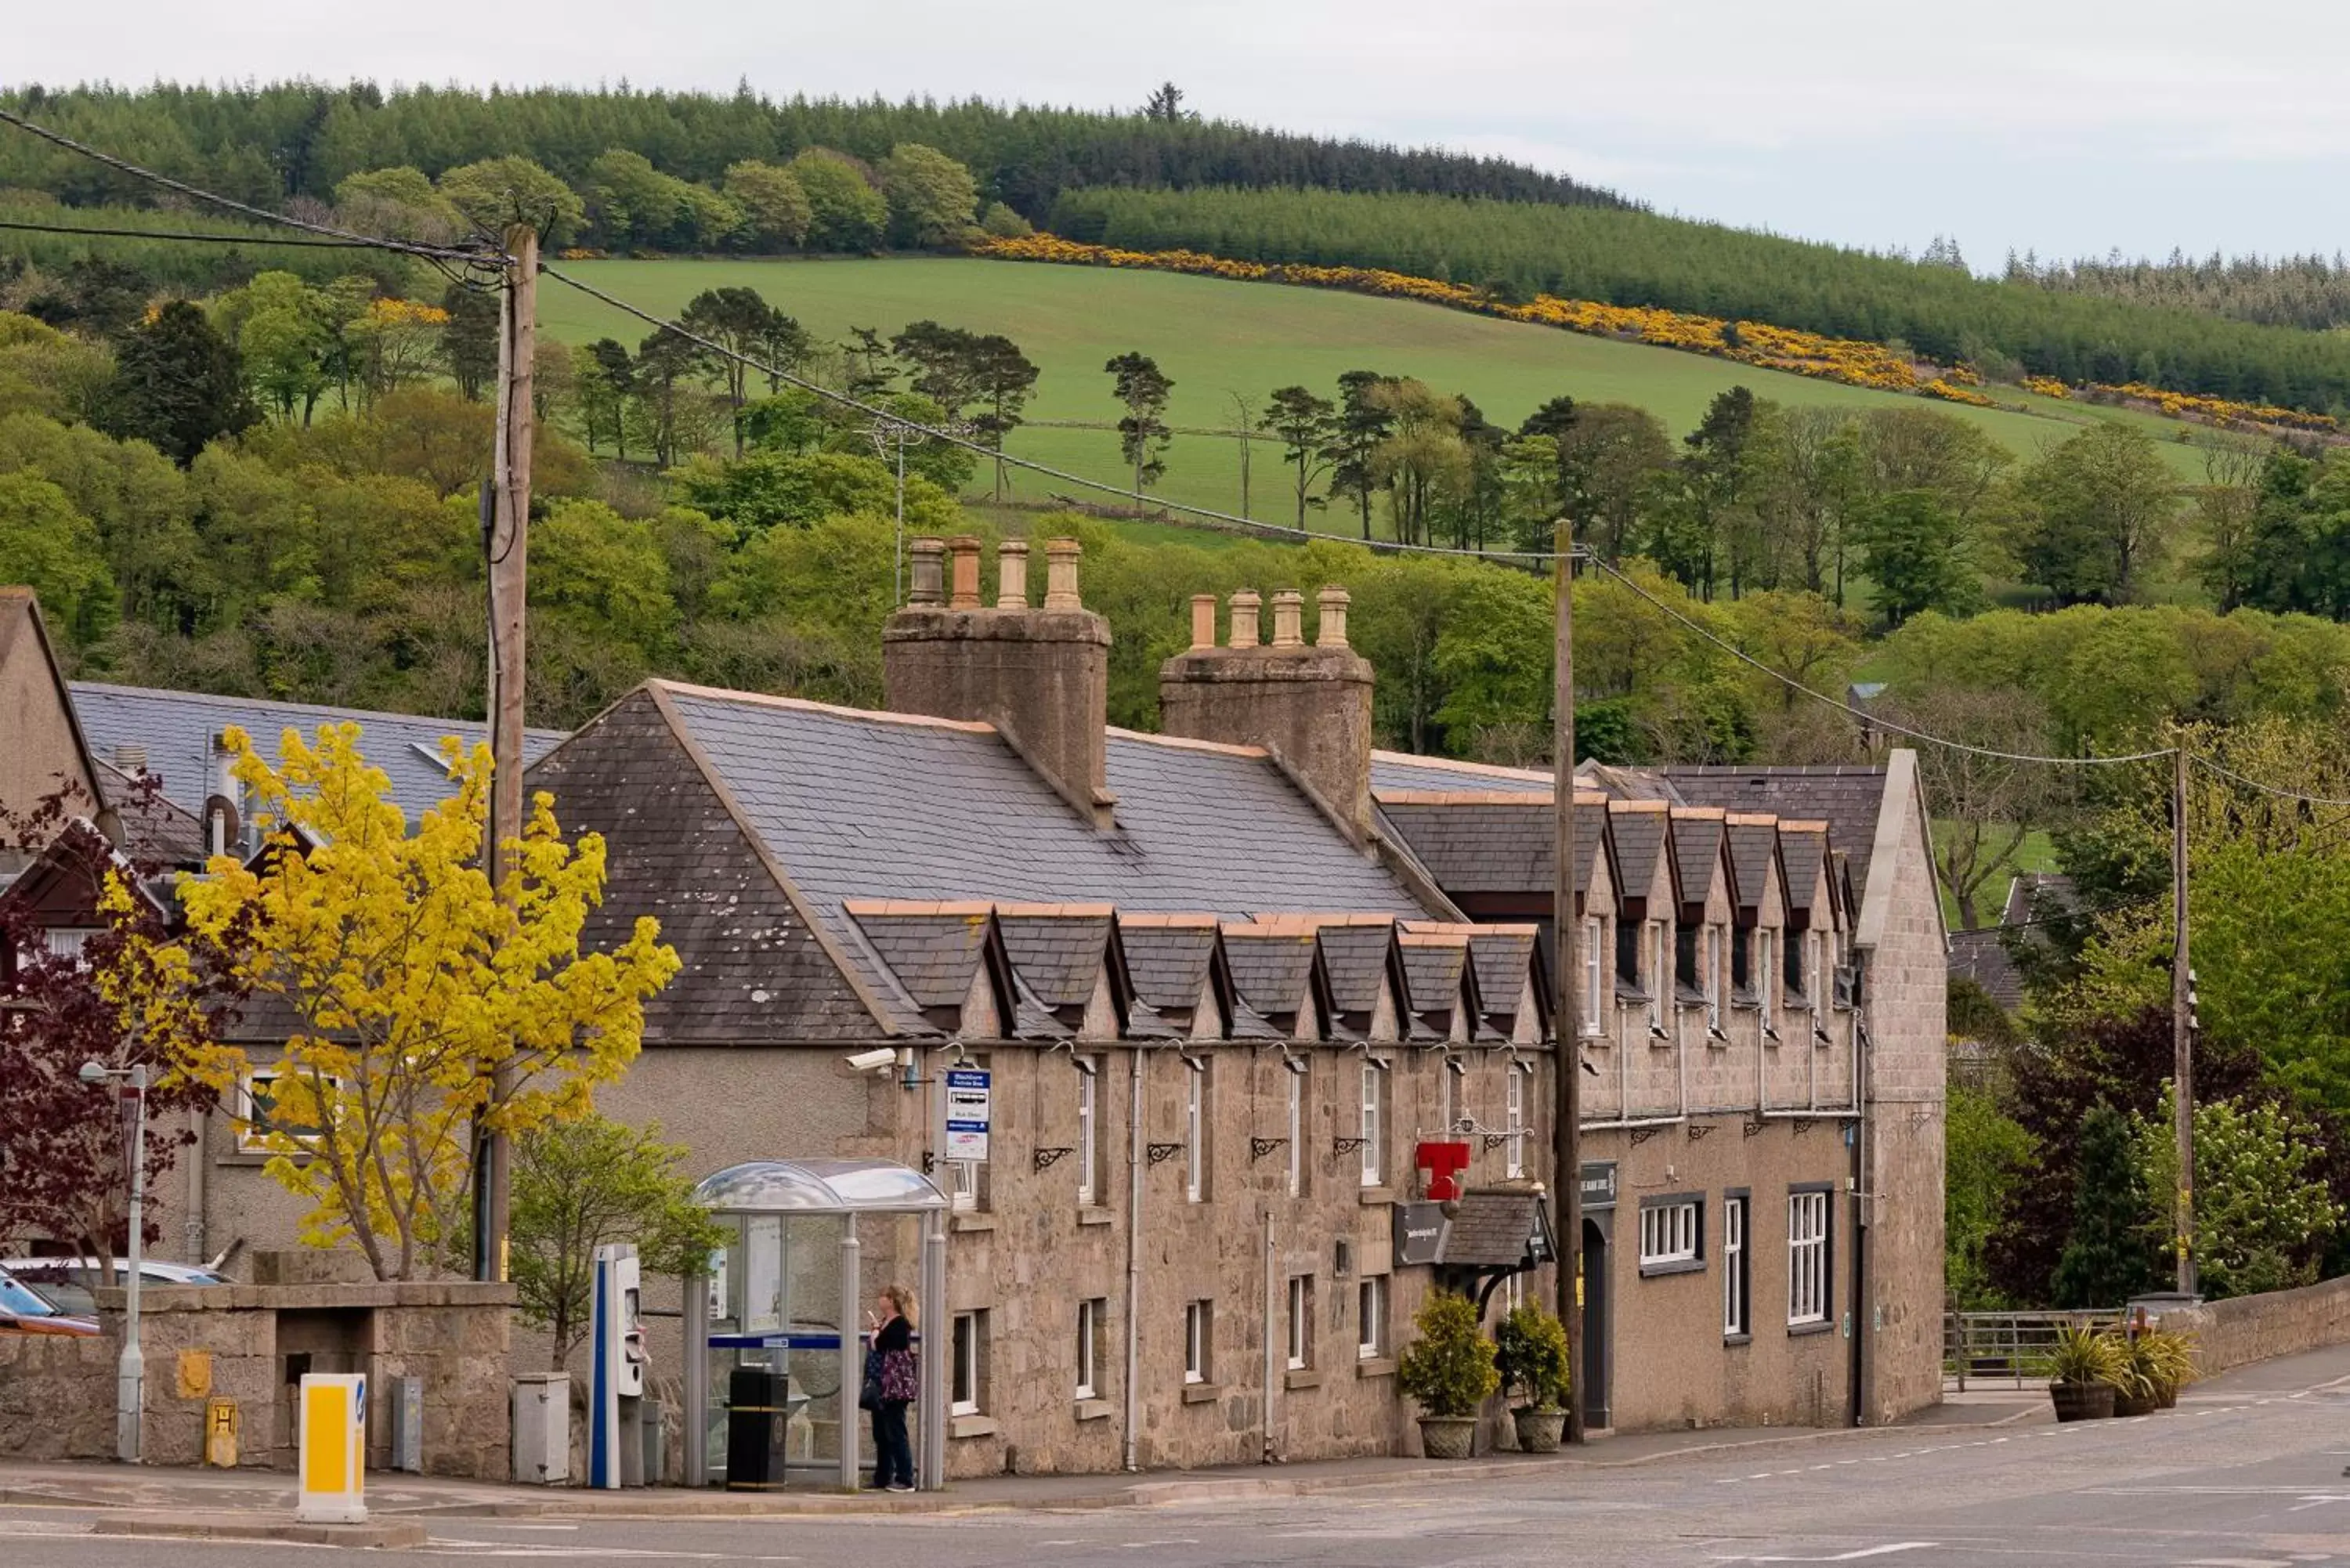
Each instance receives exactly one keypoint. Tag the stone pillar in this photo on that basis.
(1012, 575)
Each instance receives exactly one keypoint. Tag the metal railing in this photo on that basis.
(2004, 1348)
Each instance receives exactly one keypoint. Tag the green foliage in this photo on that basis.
(2107, 1258)
(501, 191)
(1531, 1355)
(776, 214)
(932, 197)
(2263, 1214)
(1629, 257)
(766, 489)
(1984, 1150)
(1450, 1368)
(580, 1184)
(2085, 1352)
(52, 548)
(1141, 389)
(2098, 513)
(177, 385)
(1001, 222)
(845, 213)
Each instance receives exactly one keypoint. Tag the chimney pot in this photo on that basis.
(1061, 575)
(1288, 618)
(1012, 575)
(962, 551)
(1244, 605)
(928, 584)
(1203, 620)
(1330, 629)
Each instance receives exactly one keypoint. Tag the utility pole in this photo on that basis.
(1566, 1066)
(509, 553)
(2182, 1025)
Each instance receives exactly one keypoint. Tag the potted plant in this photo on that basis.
(2163, 1363)
(2136, 1392)
(2081, 1366)
(1529, 1353)
(1450, 1370)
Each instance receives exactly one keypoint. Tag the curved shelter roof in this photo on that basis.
(820, 1186)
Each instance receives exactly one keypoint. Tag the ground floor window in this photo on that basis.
(1091, 1316)
(1371, 1317)
(1301, 1322)
(1671, 1235)
(1807, 1257)
(1736, 1321)
(969, 1344)
(1199, 1341)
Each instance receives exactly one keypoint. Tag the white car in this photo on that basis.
(69, 1282)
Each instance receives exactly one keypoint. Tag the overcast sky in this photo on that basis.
(2068, 125)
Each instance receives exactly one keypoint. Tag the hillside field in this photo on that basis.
(1213, 336)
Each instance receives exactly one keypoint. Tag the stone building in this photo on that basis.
(1234, 982)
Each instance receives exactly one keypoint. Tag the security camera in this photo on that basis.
(874, 1061)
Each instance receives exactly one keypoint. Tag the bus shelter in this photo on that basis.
(810, 1243)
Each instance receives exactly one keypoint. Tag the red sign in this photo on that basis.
(1443, 1160)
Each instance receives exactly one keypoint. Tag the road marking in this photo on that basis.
(1856, 1555)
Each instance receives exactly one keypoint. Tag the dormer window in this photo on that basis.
(1595, 974)
(1713, 977)
(1766, 983)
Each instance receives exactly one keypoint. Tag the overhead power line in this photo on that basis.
(182, 236)
(164, 181)
(2208, 765)
(1140, 497)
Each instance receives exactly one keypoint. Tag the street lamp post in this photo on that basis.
(130, 1371)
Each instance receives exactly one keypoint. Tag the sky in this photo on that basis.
(2065, 127)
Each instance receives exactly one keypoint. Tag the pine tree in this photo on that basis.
(2106, 1259)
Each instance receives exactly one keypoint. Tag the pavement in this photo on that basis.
(2249, 1472)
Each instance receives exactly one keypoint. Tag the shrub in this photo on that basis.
(1531, 1355)
(1450, 1368)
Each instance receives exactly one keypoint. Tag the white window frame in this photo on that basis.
(963, 1183)
(1513, 1113)
(1595, 970)
(250, 1139)
(1737, 1300)
(1089, 1332)
(1373, 1124)
(1371, 1313)
(964, 1393)
(1301, 1322)
(1659, 944)
(1088, 1139)
(1295, 1182)
(67, 941)
(1199, 1341)
(1454, 1096)
(1195, 1134)
(1672, 1234)
(1812, 973)
(1810, 1287)
(1710, 977)
(1766, 974)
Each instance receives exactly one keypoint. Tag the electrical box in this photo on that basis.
(405, 1406)
(542, 1429)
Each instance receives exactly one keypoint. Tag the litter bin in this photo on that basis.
(758, 1406)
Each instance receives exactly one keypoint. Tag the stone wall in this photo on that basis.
(2246, 1329)
(57, 1397)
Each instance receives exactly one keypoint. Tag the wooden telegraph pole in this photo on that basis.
(1566, 1063)
(2182, 1025)
(508, 547)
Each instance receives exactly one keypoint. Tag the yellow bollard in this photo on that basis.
(219, 1433)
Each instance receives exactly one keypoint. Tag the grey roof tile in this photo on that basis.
(1697, 853)
(1848, 799)
(1752, 845)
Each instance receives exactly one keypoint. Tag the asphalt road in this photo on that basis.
(2250, 1477)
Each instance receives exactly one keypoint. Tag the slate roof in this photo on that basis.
(1354, 960)
(1409, 771)
(1697, 852)
(1848, 799)
(1168, 957)
(1492, 1228)
(934, 951)
(1271, 966)
(1486, 847)
(1500, 958)
(1435, 965)
(1639, 833)
(1803, 850)
(1056, 951)
(176, 729)
(1753, 843)
(153, 826)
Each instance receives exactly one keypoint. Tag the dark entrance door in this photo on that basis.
(1598, 1319)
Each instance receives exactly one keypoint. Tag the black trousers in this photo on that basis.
(893, 1457)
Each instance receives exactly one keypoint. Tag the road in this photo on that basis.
(2251, 1476)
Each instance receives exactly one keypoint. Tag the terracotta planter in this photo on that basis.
(1448, 1437)
(2082, 1401)
(1540, 1431)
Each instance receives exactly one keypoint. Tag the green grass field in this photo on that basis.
(1215, 336)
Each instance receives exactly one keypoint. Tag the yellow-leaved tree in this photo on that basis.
(420, 1001)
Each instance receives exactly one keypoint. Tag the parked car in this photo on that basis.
(24, 1310)
(69, 1282)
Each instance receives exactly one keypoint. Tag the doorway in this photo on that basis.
(1597, 1318)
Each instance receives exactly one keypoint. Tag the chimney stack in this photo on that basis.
(1311, 706)
(1041, 677)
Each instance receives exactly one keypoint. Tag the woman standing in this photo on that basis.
(898, 1376)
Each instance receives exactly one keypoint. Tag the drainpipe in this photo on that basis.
(1266, 1453)
(1134, 1163)
(1863, 1315)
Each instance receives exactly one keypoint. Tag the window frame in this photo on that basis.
(1658, 941)
(1300, 1342)
(75, 946)
(252, 1141)
(1594, 977)
(966, 1388)
(1372, 1126)
(1371, 1318)
(1091, 1312)
(1709, 975)
(1294, 1181)
(1766, 979)
(1672, 1234)
(1199, 1341)
(1737, 1266)
(1513, 1111)
(1090, 1135)
(1811, 1257)
(1195, 1133)
(1452, 1087)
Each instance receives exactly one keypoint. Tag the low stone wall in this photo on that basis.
(247, 1343)
(2246, 1329)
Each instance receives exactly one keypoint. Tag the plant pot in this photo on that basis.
(2136, 1404)
(1448, 1437)
(2165, 1398)
(2082, 1401)
(1540, 1431)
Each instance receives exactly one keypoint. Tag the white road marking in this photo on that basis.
(1854, 1556)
